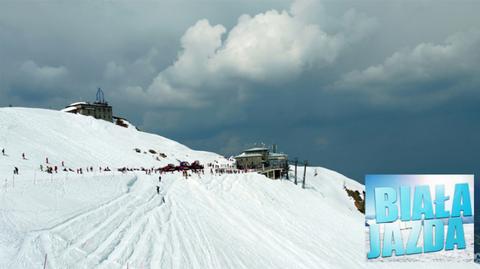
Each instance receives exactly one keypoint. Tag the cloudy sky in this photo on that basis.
(356, 86)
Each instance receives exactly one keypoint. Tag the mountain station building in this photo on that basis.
(272, 164)
(99, 109)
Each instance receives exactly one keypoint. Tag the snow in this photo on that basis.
(78, 103)
(82, 141)
(256, 149)
(247, 155)
(114, 220)
(69, 109)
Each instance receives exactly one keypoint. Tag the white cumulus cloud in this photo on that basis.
(271, 48)
(433, 71)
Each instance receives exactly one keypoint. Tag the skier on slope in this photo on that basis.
(158, 189)
(3, 152)
(160, 179)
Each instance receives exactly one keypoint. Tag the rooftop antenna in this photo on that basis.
(100, 97)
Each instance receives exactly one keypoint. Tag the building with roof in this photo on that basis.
(99, 109)
(271, 164)
(279, 160)
(252, 159)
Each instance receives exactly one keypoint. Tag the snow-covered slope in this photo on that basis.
(113, 220)
(79, 141)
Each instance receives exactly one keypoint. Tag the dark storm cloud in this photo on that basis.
(356, 86)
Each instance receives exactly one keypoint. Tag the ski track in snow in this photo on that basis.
(199, 226)
(105, 236)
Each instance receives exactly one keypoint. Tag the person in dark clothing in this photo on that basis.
(158, 189)
(23, 156)
(3, 152)
(15, 170)
(160, 179)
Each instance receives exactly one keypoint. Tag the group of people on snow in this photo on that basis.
(54, 168)
(215, 169)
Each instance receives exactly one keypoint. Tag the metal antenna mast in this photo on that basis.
(100, 96)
